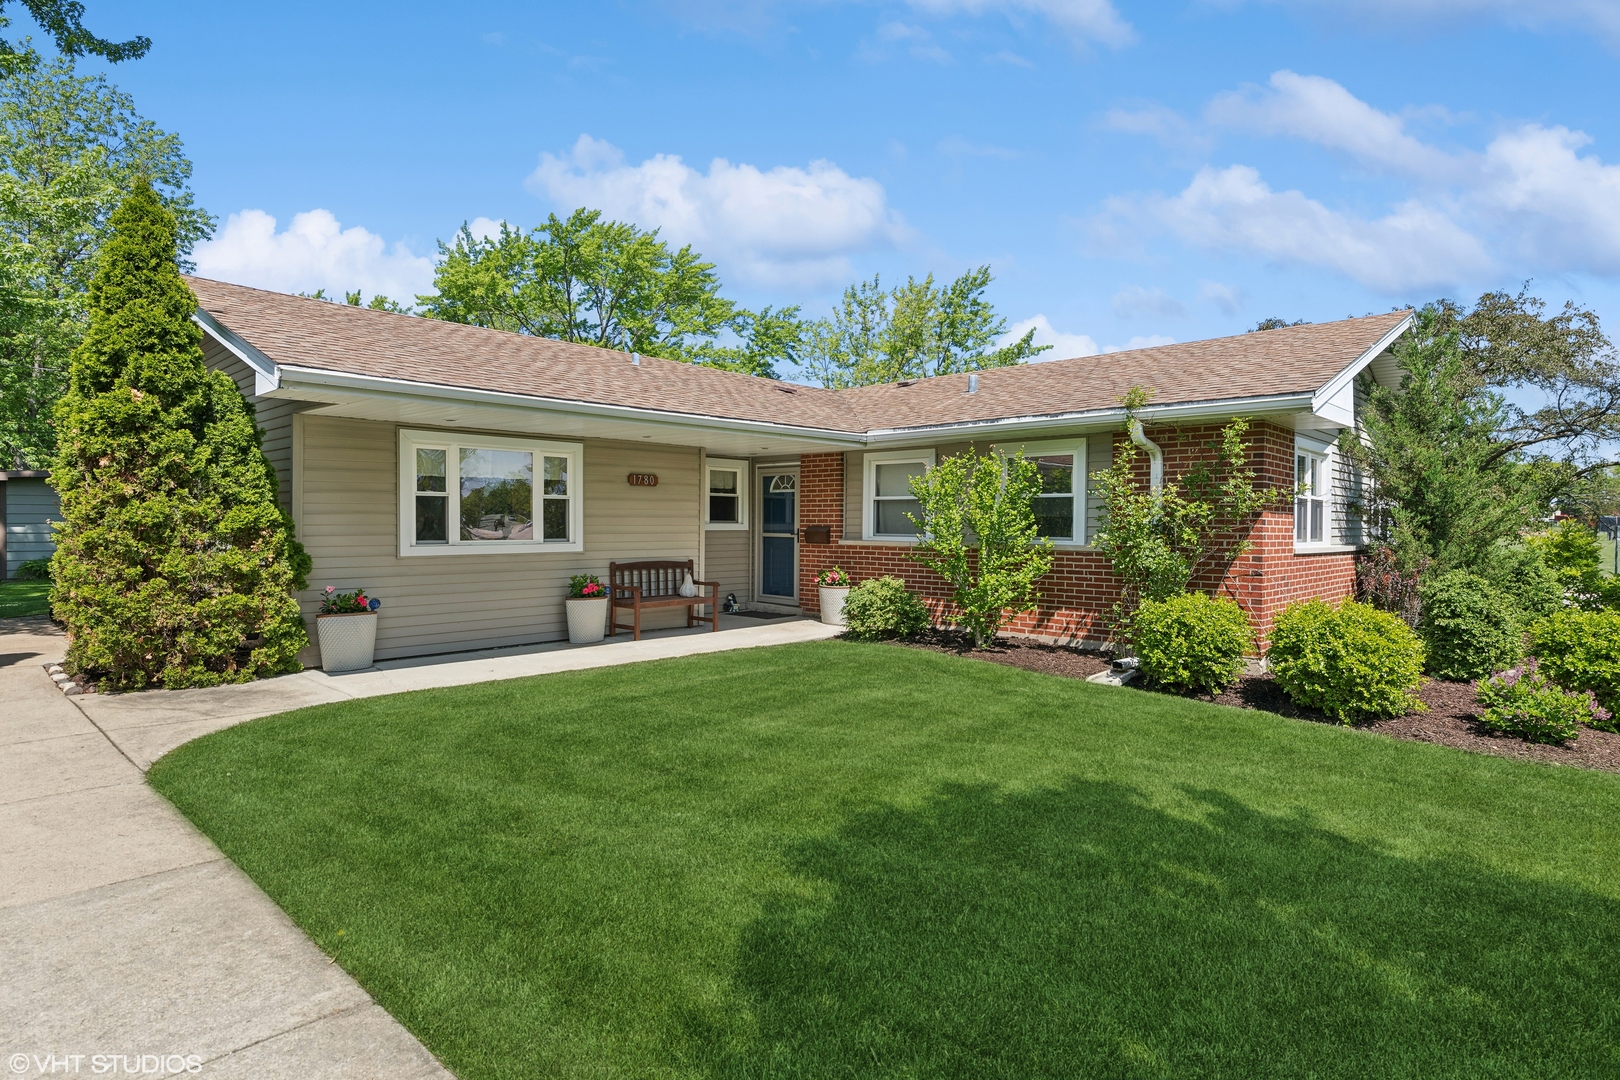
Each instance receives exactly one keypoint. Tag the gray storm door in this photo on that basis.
(778, 539)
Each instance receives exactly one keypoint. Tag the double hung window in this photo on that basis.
(727, 505)
(1311, 482)
(482, 494)
(1060, 504)
(890, 507)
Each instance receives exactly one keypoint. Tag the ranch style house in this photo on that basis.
(464, 474)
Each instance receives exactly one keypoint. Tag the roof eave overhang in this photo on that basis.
(292, 378)
(1109, 417)
(1320, 399)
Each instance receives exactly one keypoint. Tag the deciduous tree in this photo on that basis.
(911, 332)
(609, 284)
(71, 147)
(978, 532)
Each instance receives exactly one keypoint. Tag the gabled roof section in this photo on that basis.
(297, 332)
(1289, 366)
(1295, 361)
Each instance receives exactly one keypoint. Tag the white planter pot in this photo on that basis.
(832, 604)
(587, 619)
(348, 642)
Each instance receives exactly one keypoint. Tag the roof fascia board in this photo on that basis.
(266, 373)
(1342, 379)
(1199, 410)
(377, 385)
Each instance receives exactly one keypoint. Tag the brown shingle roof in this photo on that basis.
(298, 332)
(1292, 360)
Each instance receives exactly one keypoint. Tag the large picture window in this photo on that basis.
(889, 506)
(727, 495)
(468, 494)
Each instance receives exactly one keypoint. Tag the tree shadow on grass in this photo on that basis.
(1079, 932)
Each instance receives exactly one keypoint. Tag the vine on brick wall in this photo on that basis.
(1158, 541)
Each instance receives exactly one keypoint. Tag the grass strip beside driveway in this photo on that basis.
(831, 860)
(19, 598)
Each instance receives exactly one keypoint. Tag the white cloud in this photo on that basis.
(919, 43)
(1063, 345)
(314, 252)
(1529, 200)
(1560, 210)
(780, 226)
(1229, 298)
(1600, 15)
(1083, 19)
(485, 228)
(1324, 112)
(957, 147)
(1232, 209)
(1166, 125)
(1136, 302)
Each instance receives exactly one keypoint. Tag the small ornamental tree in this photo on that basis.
(1158, 541)
(174, 564)
(978, 533)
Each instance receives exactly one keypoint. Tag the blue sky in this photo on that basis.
(1134, 172)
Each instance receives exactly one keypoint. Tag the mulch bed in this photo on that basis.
(1451, 720)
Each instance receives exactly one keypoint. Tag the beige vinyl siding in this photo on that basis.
(728, 562)
(31, 506)
(1099, 455)
(273, 416)
(348, 521)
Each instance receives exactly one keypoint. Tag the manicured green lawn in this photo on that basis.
(837, 860)
(24, 598)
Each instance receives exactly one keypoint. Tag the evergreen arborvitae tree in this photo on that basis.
(175, 566)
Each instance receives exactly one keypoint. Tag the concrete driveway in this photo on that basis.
(125, 933)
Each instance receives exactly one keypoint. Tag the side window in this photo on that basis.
(1310, 504)
(890, 506)
(726, 496)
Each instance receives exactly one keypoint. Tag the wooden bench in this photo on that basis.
(643, 585)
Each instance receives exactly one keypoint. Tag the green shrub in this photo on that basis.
(1525, 702)
(1519, 573)
(884, 608)
(174, 565)
(1580, 650)
(34, 570)
(1191, 641)
(1352, 661)
(1469, 629)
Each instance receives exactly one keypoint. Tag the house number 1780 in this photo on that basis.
(643, 479)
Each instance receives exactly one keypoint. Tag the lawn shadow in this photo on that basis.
(1079, 931)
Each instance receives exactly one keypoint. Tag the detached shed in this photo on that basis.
(26, 511)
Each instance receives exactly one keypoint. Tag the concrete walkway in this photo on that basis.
(146, 726)
(125, 931)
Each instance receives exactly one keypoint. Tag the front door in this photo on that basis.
(778, 535)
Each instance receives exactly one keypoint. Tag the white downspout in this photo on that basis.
(1155, 456)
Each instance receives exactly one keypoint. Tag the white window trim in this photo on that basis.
(1324, 451)
(1082, 479)
(740, 467)
(452, 442)
(869, 489)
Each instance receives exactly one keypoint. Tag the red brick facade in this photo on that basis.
(1080, 590)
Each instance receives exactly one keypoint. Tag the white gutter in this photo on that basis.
(1155, 455)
